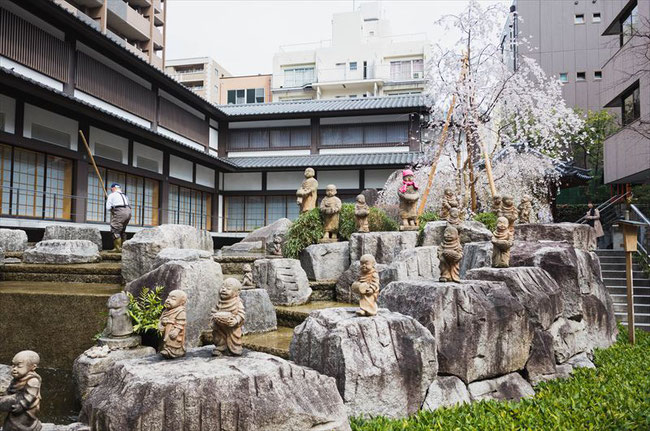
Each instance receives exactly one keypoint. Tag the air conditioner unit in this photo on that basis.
(417, 75)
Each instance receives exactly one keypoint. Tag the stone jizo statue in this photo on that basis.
(227, 319)
(408, 201)
(172, 325)
(119, 322)
(453, 218)
(449, 201)
(308, 192)
(276, 247)
(248, 283)
(23, 397)
(330, 207)
(367, 286)
(450, 253)
(502, 241)
(525, 209)
(496, 204)
(361, 212)
(509, 211)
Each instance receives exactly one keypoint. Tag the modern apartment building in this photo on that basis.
(626, 88)
(245, 89)
(202, 75)
(564, 38)
(138, 25)
(363, 59)
(180, 158)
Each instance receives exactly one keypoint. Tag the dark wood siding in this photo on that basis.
(99, 80)
(27, 44)
(177, 119)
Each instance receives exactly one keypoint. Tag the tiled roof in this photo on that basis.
(327, 160)
(323, 105)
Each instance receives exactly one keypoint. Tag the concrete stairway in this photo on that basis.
(612, 263)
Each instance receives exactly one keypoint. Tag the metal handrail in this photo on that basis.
(638, 212)
(605, 205)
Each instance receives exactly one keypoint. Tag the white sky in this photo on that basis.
(243, 35)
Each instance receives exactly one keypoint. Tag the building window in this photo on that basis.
(406, 70)
(564, 77)
(259, 95)
(630, 105)
(193, 85)
(231, 97)
(243, 214)
(270, 138)
(249, 95)
(191, 68)
(581, 76)
(190, 207)
(629, 24)
(598, 75)
(366, 134)
(298, 76)
(353, 65)
(579, 18)
(595, 17)
(353, 96)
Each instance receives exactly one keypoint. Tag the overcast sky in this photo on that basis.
(243, 35)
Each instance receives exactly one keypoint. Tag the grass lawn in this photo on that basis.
(614, 396)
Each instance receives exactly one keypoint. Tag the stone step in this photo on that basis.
(323, 290)
(638, 317)
(637, 275)
(235, 264)
(643, 326)
(102, 272)
(618, 267)
(637, 282)
(638, 299)
(638, 308)
(108, 256)
(292, 316)
(610, 252)
(622, 290)
(610, 259)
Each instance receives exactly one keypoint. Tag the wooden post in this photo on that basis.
(630, 296)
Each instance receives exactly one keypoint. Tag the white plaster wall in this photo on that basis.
(244, 181)
(392, 118)
(369, 150)
(111, 108)
(234, 154)
(109, 140)
(341, 179)
(149, 153)
(180, 168)
(269, 123)
(49, 119)
(284, 180)
(8, 108)
(30, 73)
(214, 139)
(220, 217)
(204, 176)
(376, 178)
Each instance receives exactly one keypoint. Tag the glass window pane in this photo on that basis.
(234, 219)
(352, 135)
(280, 138)
(254, 212)
(375, 134)
(58, 188)
(238, 139)
(5, 177)
(301, 137)
(276, 208)
(259, 95)
(29, 176)
(241, 96)
(259, 138)
(397, 132)
(331, 136)
(250, 95)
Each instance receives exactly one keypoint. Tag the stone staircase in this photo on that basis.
(612, 263)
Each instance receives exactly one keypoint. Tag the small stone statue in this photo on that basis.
(450, 253)
(408, 200)
(248, 283)
(496, 204)
(509, 211)
(227, 319)
(308, 192)
(449, 201)
(23, 397)
(367, 286)
(276, 247)
(502, 241)
(361, 212)
(172, 325)
(119, 322)
(525, 210)
(453, 218)
(330, 207)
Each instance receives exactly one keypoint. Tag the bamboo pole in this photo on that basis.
(92, 159)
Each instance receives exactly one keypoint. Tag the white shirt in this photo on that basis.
(116, 199)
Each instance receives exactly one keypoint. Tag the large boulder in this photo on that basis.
(344, 293)
(535, 289)
(569, 339)
(481, 330)
(182, 254)
(511, 387)
(475, 255)
(446, 391)
(5, 377)
(469, 231)
(284, 279)
(12, 240)
(418, 262)
(384, 246)
(56, 231)
(580, 236)
(265, 234)
(61, 251)
(243, 248)
(255, 391)
(201, 280)
(541, 361)
(383, 365)
(325, 261)
(260, 312)
(140, 252)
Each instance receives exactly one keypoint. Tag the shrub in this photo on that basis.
(347, 222)
(488, 219)
(306, 230)
(145, 310)
(613, 396)
(380, 221)
(570, 212)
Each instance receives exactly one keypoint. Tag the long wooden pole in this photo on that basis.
(92, 159)
(630, 296)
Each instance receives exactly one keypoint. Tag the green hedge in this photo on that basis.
(488, 219)
(614, 396)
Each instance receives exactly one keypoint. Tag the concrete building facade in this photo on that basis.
(363, 59)
(626, 88)
(245, 89)
(138, 25)
(202, 75)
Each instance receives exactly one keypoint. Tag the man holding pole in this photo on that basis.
(118, 204)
